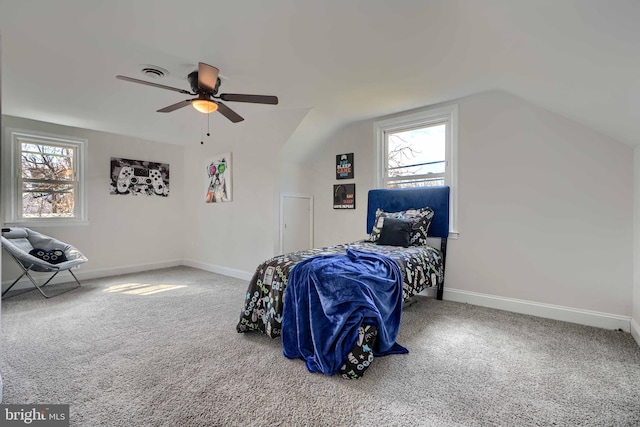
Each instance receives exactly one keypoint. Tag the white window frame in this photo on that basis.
(12, 196)
(447, 115)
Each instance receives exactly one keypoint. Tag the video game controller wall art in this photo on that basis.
(217, 178)
(139, 177)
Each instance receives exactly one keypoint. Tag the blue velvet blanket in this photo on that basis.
(328, 297)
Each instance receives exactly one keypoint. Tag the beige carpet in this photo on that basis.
(160, 348)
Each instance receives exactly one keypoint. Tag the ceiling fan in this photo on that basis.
(205, 84)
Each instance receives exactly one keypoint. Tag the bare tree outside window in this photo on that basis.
(48, 180)
(416, 157)
(45, 183)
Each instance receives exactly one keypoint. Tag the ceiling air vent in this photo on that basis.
(153, 72)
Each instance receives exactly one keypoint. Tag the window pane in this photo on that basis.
(415, 183)
(44, 200)
(47, 162)
(421, 169)
(416, 151)
(46, 149)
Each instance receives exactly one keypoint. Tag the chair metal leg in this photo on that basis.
(15, 281)
(74, 276)
(49, 280)
(38, 287)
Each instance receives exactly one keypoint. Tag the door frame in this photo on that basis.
(309, 197)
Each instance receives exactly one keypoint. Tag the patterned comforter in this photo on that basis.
(421, 268)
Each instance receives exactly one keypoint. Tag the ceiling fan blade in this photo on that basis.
(131, 79)
(175, 106)
(229, 113)
(207, 77)
(257, 99)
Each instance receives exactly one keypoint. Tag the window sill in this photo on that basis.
(47, 223)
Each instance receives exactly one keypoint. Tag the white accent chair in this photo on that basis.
(19, 241)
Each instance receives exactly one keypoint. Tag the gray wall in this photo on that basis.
(545, 206)
(125, 233)
(233, 238)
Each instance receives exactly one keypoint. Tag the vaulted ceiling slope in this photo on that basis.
(343, 60)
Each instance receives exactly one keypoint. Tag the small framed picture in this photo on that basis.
(344, 166)
(344, 196)
(217, 178)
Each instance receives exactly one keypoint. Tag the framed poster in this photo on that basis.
(344, 196)
(139, 177)
(217, 178)
(344, 166)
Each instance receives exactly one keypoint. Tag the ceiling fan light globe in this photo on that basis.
(204, 105)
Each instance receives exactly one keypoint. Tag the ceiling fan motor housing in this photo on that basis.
(195, 88)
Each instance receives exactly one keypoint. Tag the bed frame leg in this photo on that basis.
(443, 249)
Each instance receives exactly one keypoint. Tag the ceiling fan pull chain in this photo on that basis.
(201, 126)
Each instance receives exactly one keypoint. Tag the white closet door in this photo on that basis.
(296, 225)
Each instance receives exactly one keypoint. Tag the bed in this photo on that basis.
(421, 263)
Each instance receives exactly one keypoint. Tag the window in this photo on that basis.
(416, 156)
(47, 178)
(419, 149)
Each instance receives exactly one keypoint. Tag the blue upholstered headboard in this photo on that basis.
(400, 199)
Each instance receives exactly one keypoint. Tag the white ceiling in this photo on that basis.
(340, 60)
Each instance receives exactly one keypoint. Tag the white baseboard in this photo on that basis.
(65, 277)
(550, 311)
(635, 330)
(226, 271)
